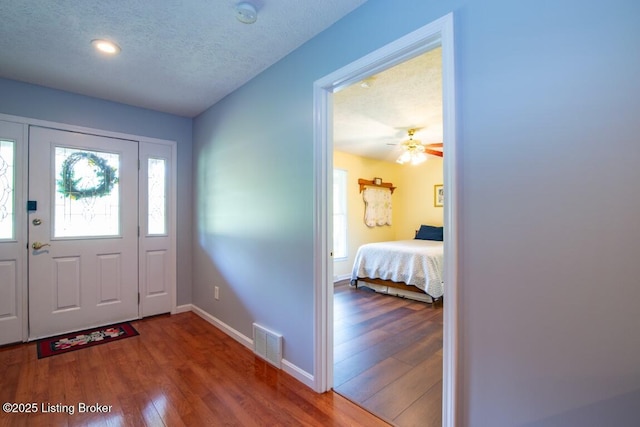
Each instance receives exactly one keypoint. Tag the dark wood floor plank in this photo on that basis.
(413, 319)
(354, 365)
(400, 394)
(426, 411)
(374, 379)
(399, 377)
(180, 371)
(374, 309)
(351, 367)
(383, 318)
(358, 344)
(423, 349)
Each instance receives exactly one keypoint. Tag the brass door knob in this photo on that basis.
(37, 245)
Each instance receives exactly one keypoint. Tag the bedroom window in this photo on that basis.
(339, 214)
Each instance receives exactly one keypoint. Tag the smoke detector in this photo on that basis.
(246, 13)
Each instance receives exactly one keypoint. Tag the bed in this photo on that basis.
(409, 268)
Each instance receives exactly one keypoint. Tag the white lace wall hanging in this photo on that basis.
(377, 206)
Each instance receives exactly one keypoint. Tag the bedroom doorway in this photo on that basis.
(388, 343)
(436, 34)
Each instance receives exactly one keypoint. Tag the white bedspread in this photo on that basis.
(414, 262)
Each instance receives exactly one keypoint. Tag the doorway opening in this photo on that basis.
(436, 34)
(388, 344)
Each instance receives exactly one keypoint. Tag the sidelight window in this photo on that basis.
(157, 196)
(7, 189)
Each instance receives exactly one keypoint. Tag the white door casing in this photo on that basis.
(438, 32)
(12, 233)
(88, 275)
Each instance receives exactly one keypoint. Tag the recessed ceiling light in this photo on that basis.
(106, 46)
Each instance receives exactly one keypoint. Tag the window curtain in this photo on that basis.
(377, 206)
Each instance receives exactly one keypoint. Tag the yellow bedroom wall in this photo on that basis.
(412, 201)
(415, 206)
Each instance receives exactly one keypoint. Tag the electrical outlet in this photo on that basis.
(216, 293)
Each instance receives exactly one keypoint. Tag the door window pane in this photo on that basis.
(7, 189)
(87, 200)
(157, 197)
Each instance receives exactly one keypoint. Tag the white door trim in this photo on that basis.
(26, 122)
(81, 129)
(437, 33)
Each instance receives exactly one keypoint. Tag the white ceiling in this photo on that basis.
(408, 96)
(178, 56)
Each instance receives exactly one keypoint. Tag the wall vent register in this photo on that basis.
(267, 345)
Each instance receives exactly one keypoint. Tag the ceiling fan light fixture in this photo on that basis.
(413, 151)
(415, 156)
(106, 46)
(246, 13)
(404, 158)
(418, 158)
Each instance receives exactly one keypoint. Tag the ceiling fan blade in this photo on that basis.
(433, 152)
(434, 144)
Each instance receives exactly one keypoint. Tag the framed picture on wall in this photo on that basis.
(438, 196)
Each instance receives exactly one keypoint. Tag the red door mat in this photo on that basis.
(83, 339)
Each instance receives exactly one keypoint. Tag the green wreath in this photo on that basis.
(70, 186)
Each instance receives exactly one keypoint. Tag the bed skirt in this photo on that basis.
(394, 290)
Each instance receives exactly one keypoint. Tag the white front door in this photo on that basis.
(83, 231)
(12, 245)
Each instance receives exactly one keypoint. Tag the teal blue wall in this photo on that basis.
(547, 107)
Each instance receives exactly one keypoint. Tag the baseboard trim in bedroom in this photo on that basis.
(296, 372)
(341, 278)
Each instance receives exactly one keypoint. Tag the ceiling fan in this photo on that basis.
(414, 151)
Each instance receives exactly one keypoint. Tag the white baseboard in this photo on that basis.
(299, 374)
(183, 309)
(341, 277)
(242, 339)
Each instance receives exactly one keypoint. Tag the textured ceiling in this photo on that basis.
(178, 56)
(372, 121)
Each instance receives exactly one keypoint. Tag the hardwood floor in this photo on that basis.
(388, 355)
(180, 371)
